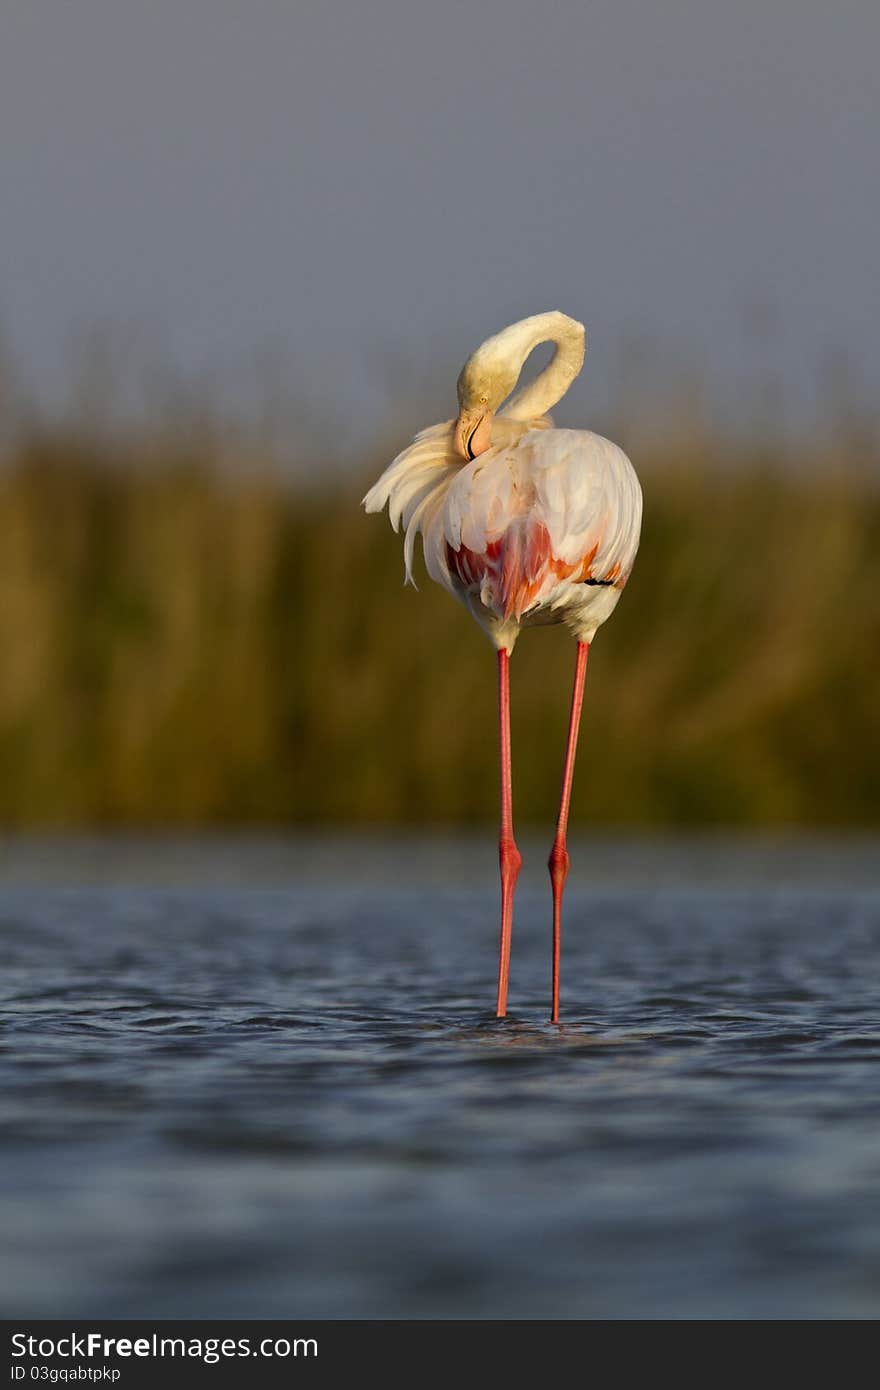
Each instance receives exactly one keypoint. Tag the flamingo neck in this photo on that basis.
(521, 339)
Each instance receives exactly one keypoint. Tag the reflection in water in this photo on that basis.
(221, 1101)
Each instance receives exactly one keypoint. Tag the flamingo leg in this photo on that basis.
(559, 861)
(509, 857)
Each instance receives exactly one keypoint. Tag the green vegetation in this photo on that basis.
(189, 642)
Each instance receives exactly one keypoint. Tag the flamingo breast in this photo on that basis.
(542, 526)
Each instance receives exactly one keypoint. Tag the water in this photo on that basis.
(261, 1078)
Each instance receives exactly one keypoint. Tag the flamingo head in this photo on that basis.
(487, 379)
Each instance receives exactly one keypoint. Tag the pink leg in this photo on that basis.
(558, 862)
(508, 854)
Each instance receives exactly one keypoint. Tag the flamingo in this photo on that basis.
(524, 524)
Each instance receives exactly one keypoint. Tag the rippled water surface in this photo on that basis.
(261, 1079)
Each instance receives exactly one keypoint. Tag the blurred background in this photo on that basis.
(244, 252)
(248, 781)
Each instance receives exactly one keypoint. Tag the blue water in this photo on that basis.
(261, 1078)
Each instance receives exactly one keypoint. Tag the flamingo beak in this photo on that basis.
(472, 434)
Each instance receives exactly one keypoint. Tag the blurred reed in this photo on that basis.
(191, 638)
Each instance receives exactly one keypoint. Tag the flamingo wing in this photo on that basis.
(523, 525)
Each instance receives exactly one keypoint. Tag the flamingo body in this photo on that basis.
(540, 529)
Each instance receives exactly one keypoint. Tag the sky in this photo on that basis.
(365, 189)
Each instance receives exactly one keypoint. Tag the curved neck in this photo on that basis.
(521, 339)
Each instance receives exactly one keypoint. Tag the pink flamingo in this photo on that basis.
(525, 524)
